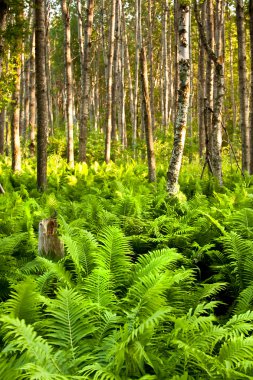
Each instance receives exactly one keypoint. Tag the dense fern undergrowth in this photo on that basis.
(150, 288)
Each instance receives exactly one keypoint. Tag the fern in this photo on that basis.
(98, 287)
(114, 255)
(24, 302)
(69, 322)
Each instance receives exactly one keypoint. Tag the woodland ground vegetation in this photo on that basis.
(150, 287)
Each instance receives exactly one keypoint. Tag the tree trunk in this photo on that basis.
(165, 112)
(147, 117)
(69, 82)
(243, 92)
(41, 94)
(32, 100)
(3, 13)
(138, 39)
(109, 85)
(218, 101)
(251, 84)
(48, 70)
(201, 91)
(209, 79)
(15, 131)
(128, 67)
(86, 82)
(151, 60)
(231, 77)
(183, 98)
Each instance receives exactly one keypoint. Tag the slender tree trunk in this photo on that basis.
(41, 94)
(115, 74)
(138, 39)
(147, 117)
(86, 82)
(3, 13)
(176, 69)
(22, 94)
(26, 97)
(231, 77)
(201, 91)
(243, 91)
(15, 136)
(15, 121)
(183, 98)
(128, 67)
(32, 97)
(165, 67)
(109, 85)
(69, 82)
(151, 60)
(209, 79)
(251, 84)
(48, 70)
(218, 101)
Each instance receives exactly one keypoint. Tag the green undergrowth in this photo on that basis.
(150, 287)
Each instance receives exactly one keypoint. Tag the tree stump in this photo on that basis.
(50, 246)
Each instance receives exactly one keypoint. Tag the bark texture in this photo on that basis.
(69, 82)
(251, 84)
(3, 14)
(243, 90)
(147, 117)
(109, 85)
(216, 163)
(183, 99)
(41, 95)
(86, 82)
(50, 245)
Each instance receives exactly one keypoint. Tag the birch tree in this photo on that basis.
(218, 60)
(86, 82)
(183, 98)
(147, 117)
(251, 84)
(69, 82)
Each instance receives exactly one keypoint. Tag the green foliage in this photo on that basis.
(149, 287)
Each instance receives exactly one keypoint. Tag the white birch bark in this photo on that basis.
(183, 98)
(86, 82)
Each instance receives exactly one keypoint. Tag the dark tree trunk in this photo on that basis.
(41, 95)
(243, 88)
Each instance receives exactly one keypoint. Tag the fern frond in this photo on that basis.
(108, 322)
(242, 222)
(21, 338)
(240, 324)
(236, 350)
(69, 322)
(240, 254)
(114, 255)
(9, 243)
(244, 301)
(24, 302)
(98, 287)
(156, 261)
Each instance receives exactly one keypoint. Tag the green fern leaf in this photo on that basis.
(24, 302)
(69, 321)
